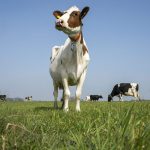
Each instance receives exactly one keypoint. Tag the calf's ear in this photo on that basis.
(84, 12)
(57, 14)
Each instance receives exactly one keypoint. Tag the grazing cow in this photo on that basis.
(2, 97)
(69, 62)
(93, 97)
(127, 89)
(29, 98)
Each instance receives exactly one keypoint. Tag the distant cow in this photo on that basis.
(2, 97)
(93, 97)
(28, 98)
(127, 89)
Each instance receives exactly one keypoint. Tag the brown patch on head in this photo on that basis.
(74, 19)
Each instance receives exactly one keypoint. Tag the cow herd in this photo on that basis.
(69, 62)
(126, 89)
(4, 98)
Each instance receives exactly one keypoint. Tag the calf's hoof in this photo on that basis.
(66, 109)
(78, 110)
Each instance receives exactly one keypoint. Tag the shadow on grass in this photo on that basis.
(44, 108)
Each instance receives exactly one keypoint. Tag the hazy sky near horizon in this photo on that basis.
(117, 34)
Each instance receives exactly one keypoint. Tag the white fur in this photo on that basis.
(68, 67)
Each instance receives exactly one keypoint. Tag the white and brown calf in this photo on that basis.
(69, 62)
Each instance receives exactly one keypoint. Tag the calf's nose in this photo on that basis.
(59, 22)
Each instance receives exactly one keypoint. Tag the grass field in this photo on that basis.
(99, 125)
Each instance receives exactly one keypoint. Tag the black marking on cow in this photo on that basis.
(3, 97)
(137, 87)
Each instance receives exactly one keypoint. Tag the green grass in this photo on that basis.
(99, 125)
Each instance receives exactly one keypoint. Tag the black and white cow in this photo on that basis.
(28, 98)
(93, 97)
(2, 97)
(127, 89)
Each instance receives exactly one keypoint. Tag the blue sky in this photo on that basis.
(117, 34)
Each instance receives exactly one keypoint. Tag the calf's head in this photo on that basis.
(70, 21)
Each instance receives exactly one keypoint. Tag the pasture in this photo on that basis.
(99, 125)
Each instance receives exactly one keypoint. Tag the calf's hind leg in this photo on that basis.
(62, 100)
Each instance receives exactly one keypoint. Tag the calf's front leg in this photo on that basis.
(66, 95)
(79, 90)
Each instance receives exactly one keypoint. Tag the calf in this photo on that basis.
(127, 89)
(69, 62)
(2, 97)
(93, 97)
(28, 98)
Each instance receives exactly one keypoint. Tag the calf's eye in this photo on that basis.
(75, 14)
